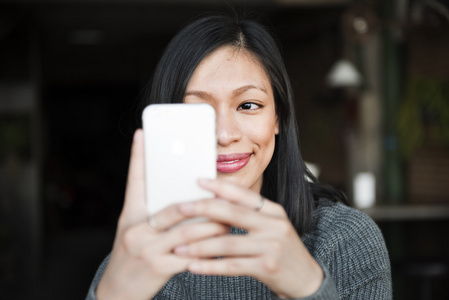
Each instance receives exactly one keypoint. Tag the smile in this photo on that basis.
(230, 163)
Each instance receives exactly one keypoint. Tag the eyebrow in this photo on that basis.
(245, 88)
(199, 94)
(235, 93)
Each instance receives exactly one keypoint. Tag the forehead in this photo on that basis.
(232, 64)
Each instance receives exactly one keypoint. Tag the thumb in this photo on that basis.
(134, 209)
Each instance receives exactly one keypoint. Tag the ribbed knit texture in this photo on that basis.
(345, 242)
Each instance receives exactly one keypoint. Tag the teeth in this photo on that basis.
(229, 162)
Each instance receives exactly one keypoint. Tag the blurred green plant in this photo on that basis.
(424, 115)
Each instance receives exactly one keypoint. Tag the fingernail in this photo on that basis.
(195, 267)
(187, 208)
(182, 250)
(222, 199)
(137, 135)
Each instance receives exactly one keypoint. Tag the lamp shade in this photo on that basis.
(343, 74)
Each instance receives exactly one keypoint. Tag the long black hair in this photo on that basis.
(286, 179)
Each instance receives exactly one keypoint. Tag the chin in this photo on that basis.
(231, 177)
(238, 180)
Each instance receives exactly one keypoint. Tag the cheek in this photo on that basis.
(263, 134)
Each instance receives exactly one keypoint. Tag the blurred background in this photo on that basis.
(372, 100)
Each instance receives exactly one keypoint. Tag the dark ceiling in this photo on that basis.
(110, 41)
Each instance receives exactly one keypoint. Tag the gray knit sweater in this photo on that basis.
(345, 242)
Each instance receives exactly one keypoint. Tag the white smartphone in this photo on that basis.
(180, 148)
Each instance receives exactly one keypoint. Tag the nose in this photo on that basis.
(228, 130)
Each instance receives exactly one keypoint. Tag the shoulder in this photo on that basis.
(345, 234)
(350, 245)
(339, 222)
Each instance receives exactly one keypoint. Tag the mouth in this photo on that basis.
(230, 163)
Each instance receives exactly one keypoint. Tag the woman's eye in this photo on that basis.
(249, 106)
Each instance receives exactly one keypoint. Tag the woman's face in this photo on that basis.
(237, 86)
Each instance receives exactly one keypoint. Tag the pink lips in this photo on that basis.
(230, 163)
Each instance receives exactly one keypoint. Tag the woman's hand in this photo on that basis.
(272, 251)
(142, 258)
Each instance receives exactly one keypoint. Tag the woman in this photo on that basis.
(295, 241)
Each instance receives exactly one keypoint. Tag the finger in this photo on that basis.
(226, 267)
(135, 238)
(222, 246)
(172, 264)
(240, 195)
(228, 213)
(134, 209)
(138, 240)
(189, 233)
(169, 217)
